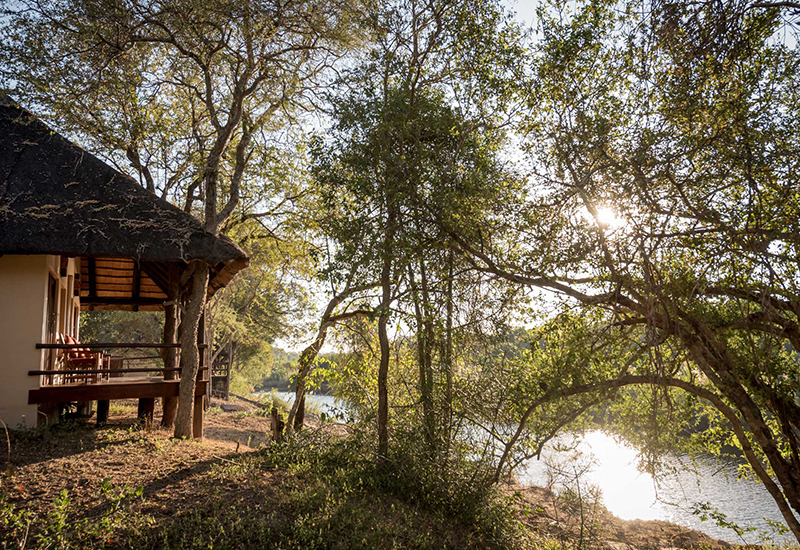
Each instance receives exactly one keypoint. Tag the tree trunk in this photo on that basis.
(300, 416)
(383, 336)
(447, 357)
(424, 345)
(170, 355)
(297, 412)
(190, 356)
(383, 393)
(208, 339)
(719, 365)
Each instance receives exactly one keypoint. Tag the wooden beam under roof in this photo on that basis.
(157, 274)
(121, 301)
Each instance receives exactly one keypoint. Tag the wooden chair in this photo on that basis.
(81, 359)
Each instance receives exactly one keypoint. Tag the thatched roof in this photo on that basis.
(55, 198)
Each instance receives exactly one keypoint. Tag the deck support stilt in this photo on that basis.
(102, 411)
(197, 417)
(146, 407)
(48, 414)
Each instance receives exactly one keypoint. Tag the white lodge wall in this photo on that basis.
(23, 302)
(24, 289)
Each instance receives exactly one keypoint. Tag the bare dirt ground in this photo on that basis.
(546, 513)
(45, 462)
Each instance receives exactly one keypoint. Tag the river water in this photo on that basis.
(631, 494)
(330, 405)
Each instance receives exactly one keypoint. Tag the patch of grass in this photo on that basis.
(336, 498)
(313, 491)
(59, 528)
(120, 408)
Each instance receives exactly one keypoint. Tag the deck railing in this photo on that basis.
(111, 365)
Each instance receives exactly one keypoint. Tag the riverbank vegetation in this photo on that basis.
(503, 233)
(124, 486)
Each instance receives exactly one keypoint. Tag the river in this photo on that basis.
(631, 494)
(330, 405)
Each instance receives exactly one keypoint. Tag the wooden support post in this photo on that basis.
(146, 407)
(102, 411)
(115, 363)
(171, 330)
(197, 417)
(92, 285)
(230, 370)
(204, 356)
(92, 279)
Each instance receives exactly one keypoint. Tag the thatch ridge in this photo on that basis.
(56, 198)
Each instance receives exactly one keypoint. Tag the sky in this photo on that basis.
(524, 10)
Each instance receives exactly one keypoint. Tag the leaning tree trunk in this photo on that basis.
(190, 355)
(297, 412)
(170, 355)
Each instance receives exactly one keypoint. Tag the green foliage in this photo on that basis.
(252, 370)
(346, 465)
(705, 511)
(661, 205)
(262, 304)
(122, 326)
(153, 88)
(59, 529)
(329, 497)
(639, 161)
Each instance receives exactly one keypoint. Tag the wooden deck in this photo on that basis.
(110, 389)
(145, 390)
(51, 398)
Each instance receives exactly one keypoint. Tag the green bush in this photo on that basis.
(457, 492)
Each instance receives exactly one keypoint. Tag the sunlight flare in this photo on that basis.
(606, 217)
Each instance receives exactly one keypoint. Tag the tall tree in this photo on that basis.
(184, 93)
(415, 133)
(664, 139)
